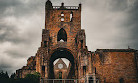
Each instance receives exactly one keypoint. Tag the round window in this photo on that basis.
(60, 66)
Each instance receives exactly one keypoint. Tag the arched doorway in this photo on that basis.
(61, 53)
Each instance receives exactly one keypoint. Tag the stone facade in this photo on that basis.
(30, 68)
(60, 68)
(64, 38)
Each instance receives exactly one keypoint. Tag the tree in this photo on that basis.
(33, 78)
(6, 75)
(13, 75)
(1, 74)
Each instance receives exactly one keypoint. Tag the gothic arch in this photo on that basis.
(62, 35)
(61, 53)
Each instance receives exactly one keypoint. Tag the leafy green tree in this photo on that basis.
(30, 78)
(33, 78)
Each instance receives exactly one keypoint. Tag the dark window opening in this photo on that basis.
(84, 70)
(76, 40)
(90, 80)
(43, 68)
(62, 35)
(71, 16)
(81, 43)
(60, 75)
(104, 80)
(95, 71)
(97, 80)
(121, 80)
(45, 43)
(79, 58)
(91, 56)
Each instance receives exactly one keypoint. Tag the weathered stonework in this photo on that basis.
(64, 38)
(60, 68)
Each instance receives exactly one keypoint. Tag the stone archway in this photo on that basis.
(61, 53)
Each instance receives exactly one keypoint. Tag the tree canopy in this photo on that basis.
(29, 78)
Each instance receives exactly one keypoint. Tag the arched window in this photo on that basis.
(71, 16)
(62, 17)
(60, 75)
(62, 35)
(95, 70)
(43, 70)
(90, 80)
(84, 70)
(121, 80)
(45, 44)
(81, 43)
(62, 14)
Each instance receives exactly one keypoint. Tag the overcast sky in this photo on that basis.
(108, 24)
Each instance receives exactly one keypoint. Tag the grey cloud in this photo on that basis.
(111, 24)
(11, 64)
(133, 25)
(110, 5)
(20, 7)
(9, 33)
(16, 17)
(16, 53)
(5, 66)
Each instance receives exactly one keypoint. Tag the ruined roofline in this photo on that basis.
(31, 57)
(115, 50)
(66, 7)
(62, 7)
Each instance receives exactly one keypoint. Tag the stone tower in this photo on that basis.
(60, 37)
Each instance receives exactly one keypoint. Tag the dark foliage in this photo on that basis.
(30, 78)
(12, 76)
(4, 75)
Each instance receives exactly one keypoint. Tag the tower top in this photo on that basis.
(48, 1)
(62, 4)
(48, 4)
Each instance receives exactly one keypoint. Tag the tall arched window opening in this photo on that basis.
(84, 70)
(95, 71)
(62, 35)
(71, 16)
(60, 75)
(62, 17)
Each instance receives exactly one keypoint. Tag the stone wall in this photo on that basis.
(112, 65)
